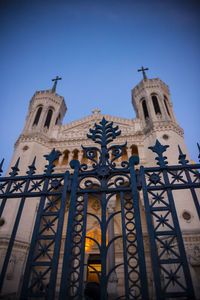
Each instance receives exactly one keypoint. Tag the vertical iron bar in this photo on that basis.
(124, 247)
(24, 291)
(181, 247)
(13, 235)
(67, 251)
(3, 203)
(154, 254)
(139, 234)
(83, 248)
(194, 196)
(55, 260)
(103, 250)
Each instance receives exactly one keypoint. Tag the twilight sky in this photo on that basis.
(97, 47)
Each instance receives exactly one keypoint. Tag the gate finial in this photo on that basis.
(159, 149)
(15, 169)
(32, 168)
(104, 133)
(51, 158)
(181, 158)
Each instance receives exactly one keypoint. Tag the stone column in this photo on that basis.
(112, 282)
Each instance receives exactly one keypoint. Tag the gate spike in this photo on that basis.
(15, 169)
(181, 158)
(32, 168)
(1, 165)
(51, 158)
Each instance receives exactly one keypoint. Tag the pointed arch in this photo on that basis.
(145, 110)
(48, 118)
(37, 116)
(156, 104)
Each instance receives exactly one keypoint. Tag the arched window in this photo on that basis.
(166, 106)
(145, 110)
(65, 157)
(75, 154)
(134, 150)
(37, 117)
(48, 118)
(156, 105)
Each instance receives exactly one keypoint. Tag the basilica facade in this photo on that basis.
(43, 131)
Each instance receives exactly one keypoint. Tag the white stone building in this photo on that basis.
(44, 130)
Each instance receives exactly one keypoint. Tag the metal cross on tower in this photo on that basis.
(143, 72)
(55, 83)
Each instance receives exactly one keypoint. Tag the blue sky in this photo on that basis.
(97, 47)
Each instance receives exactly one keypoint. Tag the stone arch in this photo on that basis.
(145, 109)
(65, 160)
(37, 116)
(48, 117)
(75, 154)
(156, 105)
(134, 150)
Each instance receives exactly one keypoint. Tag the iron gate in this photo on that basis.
(62, 239)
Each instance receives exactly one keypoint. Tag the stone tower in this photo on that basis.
(153, 106)
(45, 115)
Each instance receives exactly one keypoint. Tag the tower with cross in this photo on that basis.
(44, 130)
(46, 110)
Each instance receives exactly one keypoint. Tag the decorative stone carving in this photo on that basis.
(194, 256)
(11, 267)
(95, 205)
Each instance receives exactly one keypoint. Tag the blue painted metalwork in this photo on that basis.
(171, 272)
(107, 179)
(104, 181)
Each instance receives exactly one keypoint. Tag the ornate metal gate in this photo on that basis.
(62, 238)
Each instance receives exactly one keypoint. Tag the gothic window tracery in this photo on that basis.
(156, 105)
(48, 118)
(37, 116)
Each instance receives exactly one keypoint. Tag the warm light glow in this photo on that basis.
(95, 234)
(92, 275)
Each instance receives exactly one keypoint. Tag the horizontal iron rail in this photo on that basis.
(173, 186)
(172, 168)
